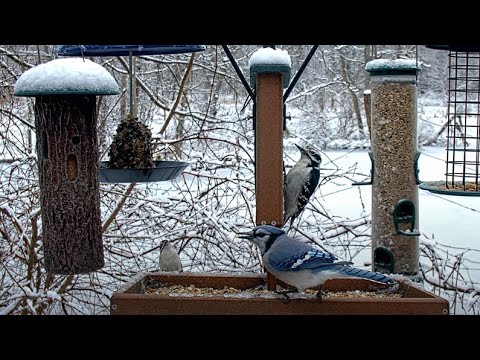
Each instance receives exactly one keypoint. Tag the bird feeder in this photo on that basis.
(160, 170)
(395, 247)
(269, 75)
(462, 165)
(65, 93)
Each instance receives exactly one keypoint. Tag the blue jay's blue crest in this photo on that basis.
(301, 265)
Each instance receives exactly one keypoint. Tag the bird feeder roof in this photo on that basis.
(66, 77)
(456, 47)
(125, 50)
(268, 60)
(392, 67)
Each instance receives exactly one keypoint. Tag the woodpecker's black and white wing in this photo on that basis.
(300, 183)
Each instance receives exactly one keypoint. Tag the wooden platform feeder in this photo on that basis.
(65, 93)
(269, 77)
(133, 299)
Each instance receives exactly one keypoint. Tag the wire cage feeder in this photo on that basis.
(162, 170)
(462, 164)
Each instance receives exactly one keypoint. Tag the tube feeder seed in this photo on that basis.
(65, 93)
(395, 244)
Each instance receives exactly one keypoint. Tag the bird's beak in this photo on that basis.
(300, 148)
(246, 235)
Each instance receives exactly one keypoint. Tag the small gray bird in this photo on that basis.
(301, 182)
(301, 265)
(169, 259)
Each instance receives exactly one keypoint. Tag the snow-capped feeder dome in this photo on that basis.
(395, 244)
(395, 67)
(65, 93)
(269, 60)
(66, 76)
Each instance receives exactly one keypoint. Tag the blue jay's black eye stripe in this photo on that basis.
(268, 243)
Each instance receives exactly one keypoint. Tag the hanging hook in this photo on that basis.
(130, 73)
(82, 49)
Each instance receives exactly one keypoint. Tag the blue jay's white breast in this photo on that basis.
(303, 279)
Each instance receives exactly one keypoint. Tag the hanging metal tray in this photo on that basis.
(125, 50)
(163, 171)
(438, 187)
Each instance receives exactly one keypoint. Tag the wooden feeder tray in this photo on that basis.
(132, 298)
(163, 171)
(438, 187)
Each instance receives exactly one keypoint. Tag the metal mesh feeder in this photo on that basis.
(462, 164)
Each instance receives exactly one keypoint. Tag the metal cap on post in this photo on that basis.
(67, 150)
(395, 246)
(269, 74)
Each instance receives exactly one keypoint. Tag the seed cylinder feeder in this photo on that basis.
(269, 75)
(65, 93)
(395, 246)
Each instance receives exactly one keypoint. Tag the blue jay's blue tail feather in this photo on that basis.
(365, 274)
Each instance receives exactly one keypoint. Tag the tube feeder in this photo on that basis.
(395, 246)
(65, 93)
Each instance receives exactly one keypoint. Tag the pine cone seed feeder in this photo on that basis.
(131, 151)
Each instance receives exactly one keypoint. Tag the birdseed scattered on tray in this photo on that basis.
(192, 291)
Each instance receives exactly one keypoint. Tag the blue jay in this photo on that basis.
(301, 182)
(169, 259)
(301, 265)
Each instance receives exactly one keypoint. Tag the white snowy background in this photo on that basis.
(209, 125)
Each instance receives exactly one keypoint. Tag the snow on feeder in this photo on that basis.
(67, 150)
(463, 123)
(130, 153)
(394, 157)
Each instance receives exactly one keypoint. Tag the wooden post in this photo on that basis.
(67, 156)
(269, 76)
(269, 150)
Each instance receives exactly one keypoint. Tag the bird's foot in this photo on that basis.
(285, 293)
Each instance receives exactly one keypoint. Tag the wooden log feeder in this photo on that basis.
(65, 93)
(395, 245)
